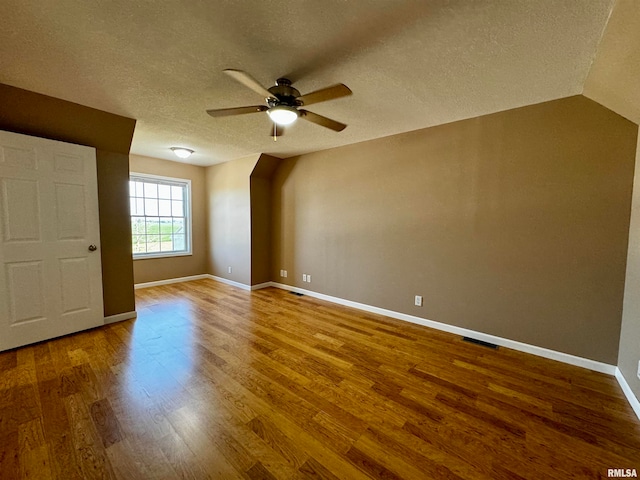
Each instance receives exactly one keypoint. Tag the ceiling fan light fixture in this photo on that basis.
(283, 115)
(182, 152)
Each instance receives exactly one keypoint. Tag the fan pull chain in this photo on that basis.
(275, 133)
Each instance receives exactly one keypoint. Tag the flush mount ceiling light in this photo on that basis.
(182, 152)
(283, 115)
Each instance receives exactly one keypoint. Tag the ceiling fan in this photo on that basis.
(283, 102)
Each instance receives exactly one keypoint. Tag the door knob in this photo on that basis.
(92, 248)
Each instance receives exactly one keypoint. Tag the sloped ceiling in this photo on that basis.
(411, 64)
(614, 78)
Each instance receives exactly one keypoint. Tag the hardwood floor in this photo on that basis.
(214, 382)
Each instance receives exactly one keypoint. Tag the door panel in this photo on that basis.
(26, 291)
(21, 210)
(68, 164)
(21, 157)
(70, 205)
(50, 283)
(74, 283)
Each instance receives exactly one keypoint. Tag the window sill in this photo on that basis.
(150, 256)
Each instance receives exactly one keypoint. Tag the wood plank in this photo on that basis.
(259, 472)
(315, 470)
(105, 422)
(370, 465)
(202, 446)
(9, 455)
(89, 455)
(278, 442)
(57, 431)
(36, 464)
(183, 461)
(8, 360)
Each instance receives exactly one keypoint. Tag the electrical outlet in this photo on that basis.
(285, 273)
(304, 277)
(308, 278)
(229, 269)
(282, 273)
(418, 301)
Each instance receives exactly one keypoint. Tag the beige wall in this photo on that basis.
(513, 224)
(153, 269)
(613, 81)
(115, 232)
(261, 221)
(615, 72)
(30, 113)
(260, 230)
(229, 214)
(630, 338)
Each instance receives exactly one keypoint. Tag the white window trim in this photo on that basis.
(189, 251)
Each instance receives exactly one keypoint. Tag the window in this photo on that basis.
(160, 216)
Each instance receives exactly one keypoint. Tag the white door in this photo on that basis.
(50, 272)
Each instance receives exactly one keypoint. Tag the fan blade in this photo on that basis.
(322, 95)
(225, 112)
(248, 81)
(322, 121)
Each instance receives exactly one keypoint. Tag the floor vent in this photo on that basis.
(480, 342)
(298, 294)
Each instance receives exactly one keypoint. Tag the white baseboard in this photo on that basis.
(229, 282)
(504, 342)
(171, 280)
(243, 286)
(120, 317)
(635, 404)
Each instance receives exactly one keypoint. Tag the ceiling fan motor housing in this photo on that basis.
(285, 94)
(284, 101)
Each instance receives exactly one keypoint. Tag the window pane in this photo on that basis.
(139, 189)
(132, 189)
(151, 207)
(164, 191)
(178, 225)
(139, 244)
(151, 190)
(164, 208)
(137, 206)
(167, 244)
(166, 227)
(153, 243)
(153, 226)
(137, 225)
(177, 209)
(176, 193)
(139, 248)
(179, 242)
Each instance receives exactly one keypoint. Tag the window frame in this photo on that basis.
(184, 182)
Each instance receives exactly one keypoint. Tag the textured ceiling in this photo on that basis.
(411, 64)
(615, 75)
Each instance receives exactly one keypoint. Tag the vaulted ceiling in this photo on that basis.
(411, 64)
